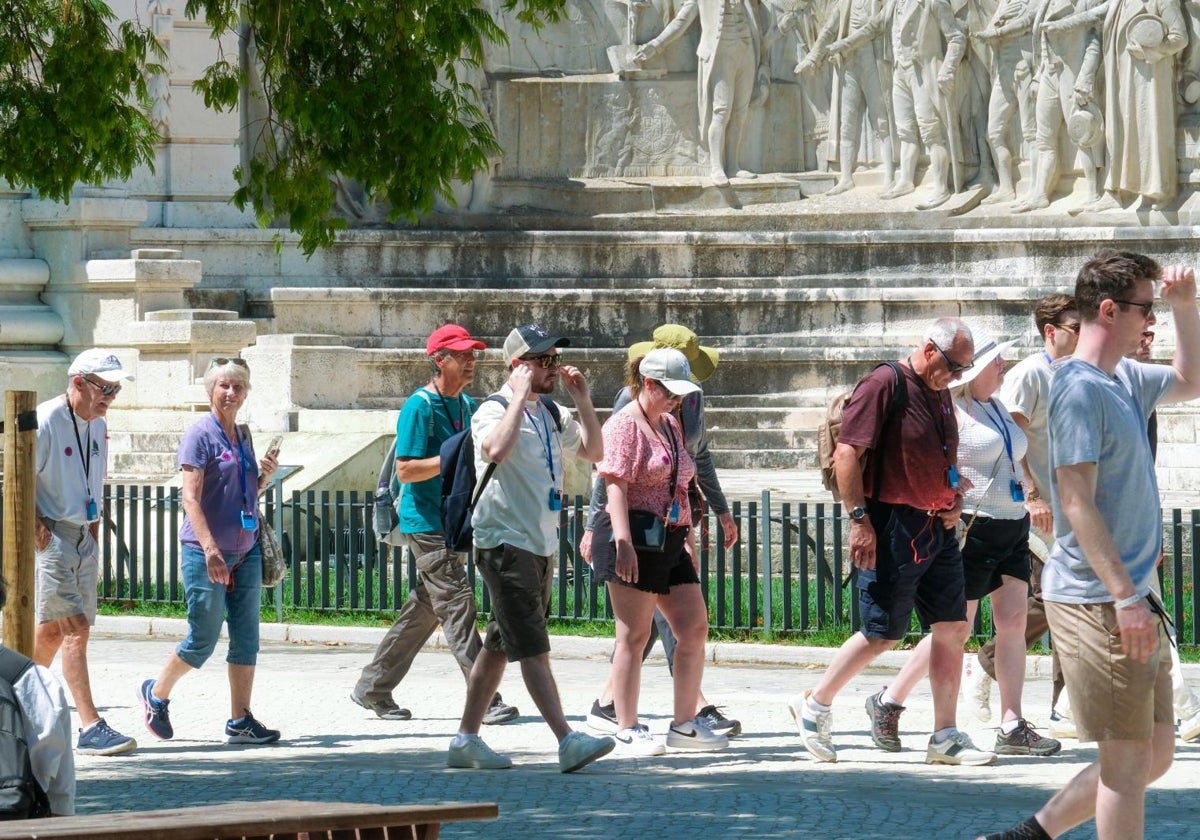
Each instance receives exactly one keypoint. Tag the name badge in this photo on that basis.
(247, 520)
(673, 518)
(1018, 492)
(952, 477)
(555, 499)
(92, 512)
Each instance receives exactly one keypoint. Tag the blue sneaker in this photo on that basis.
(247, 730)
(102, 739)
(158, 719)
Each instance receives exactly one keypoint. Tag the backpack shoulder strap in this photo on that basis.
(552, 407)
(13, 664)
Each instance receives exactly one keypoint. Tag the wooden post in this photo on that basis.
(20, 466)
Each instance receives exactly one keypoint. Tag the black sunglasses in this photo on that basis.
(221, 361)
(107, 390)
(954, 366)
(1146, 306)
(545, 361)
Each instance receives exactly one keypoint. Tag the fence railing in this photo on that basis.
(788, 574)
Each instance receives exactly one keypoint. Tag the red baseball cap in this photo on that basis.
(451, 337)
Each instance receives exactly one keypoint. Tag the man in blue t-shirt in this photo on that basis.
(442, 593)
(1107, 622)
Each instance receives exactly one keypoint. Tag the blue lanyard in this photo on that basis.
(1002, 428)
(243, 467)
(545, 441)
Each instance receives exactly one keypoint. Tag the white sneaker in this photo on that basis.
(977, 688)
(1189, 728)
(474, 754)
(637, 740)
(579, 749)
(1061, 726)
(958, 749)
(695, 735)
(816, 728)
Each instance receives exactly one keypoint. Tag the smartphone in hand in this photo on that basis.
(273, 446)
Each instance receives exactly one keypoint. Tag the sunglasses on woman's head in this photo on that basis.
(221, 361)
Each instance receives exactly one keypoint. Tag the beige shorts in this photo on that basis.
(1113, 698)
(67, 574)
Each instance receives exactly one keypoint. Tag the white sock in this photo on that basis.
(888, 698)
(461, 739)
(944, 733)
(816, 705)
(1010, 726)
(686, 727)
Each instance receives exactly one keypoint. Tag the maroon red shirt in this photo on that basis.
(920, 442)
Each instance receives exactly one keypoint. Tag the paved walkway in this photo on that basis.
(764, 786)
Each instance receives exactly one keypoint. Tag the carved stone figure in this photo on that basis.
(1008, 35)
(1066, 58)
(1140, 41)
(927, 46)
(854, 37)
(730, 74)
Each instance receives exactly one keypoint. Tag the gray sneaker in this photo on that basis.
(474, 754)
(885, 722)
(957, 749)
(1024, 741)
(385, 709)
(499, 712)
(580, 749)
(102, 739)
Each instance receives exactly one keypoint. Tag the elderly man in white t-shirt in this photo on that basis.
(527, 437)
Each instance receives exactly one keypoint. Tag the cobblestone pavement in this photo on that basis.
(763, 786)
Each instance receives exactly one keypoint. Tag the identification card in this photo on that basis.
(1017, 490)
(674, 517)
(247, 520)
(555, 499)
(92, 512)
(952, 477)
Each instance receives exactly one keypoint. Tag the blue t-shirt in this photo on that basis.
(426, 421)
(1101, 419)
(224, 497)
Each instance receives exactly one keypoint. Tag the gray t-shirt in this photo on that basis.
(1096, 418)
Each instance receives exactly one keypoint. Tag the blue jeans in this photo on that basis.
(209, 604)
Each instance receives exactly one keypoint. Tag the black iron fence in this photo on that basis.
(787, 575)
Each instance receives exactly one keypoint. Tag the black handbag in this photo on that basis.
(647, 531)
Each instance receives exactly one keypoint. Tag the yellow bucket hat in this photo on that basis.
(703, 360)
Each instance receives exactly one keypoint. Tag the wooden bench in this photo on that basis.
(250, 820)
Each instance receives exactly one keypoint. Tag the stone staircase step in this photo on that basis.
(763, 459)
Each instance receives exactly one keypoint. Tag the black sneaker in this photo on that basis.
(499, 712)
(247, 730)
(158, 718)
(603, 718)
(711, 717)
(1024, 741)
(885, 722)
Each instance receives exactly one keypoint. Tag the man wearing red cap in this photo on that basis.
(442, 594)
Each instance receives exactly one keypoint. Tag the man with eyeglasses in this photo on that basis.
(516, 537)
(1108, 623)
(72, 462)
(903, 508)
(1026, 395)
(442, 594)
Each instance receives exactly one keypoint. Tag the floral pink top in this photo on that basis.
(645, 464)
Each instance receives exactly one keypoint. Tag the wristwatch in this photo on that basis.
(858, 514)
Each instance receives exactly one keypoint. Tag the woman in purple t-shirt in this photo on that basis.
(221, 563)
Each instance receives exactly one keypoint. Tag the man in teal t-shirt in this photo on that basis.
(442, 593)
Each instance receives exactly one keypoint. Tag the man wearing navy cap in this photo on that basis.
(72, 461)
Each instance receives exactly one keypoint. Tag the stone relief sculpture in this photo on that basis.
(927, 46)
(729, 75)
(854, 39)
(1009, 37)
(1139, 42)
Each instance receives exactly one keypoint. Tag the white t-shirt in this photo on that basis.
(63, 484)
(515, 506)
(1026, 391)
(985, 433)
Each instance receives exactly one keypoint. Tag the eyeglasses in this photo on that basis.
(107, 390)
(465, 355)
(954, 366)
(1069, 327)
(221, 361)
(1147, 306)
(546, 361)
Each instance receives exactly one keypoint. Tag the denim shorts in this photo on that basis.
(209, 604)
(917, 564)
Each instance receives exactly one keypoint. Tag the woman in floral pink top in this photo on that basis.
(646, 470)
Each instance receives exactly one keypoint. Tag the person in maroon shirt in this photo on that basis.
(902, 538)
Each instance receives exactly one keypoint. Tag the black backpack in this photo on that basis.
(21, 797)
(460, 491)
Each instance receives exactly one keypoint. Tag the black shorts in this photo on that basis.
(994, 547)
(657, 571)
(519, 584)
(917, 564)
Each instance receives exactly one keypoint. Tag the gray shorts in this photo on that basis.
(67, 573)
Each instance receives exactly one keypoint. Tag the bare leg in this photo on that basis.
(634, 611)
(75, 671)
(945, 670)
(914, 670)
(171, 673)
(1008, 612)
(856, 653)
(688, 617)
(481, 688)
(241, 686)
(539, 681)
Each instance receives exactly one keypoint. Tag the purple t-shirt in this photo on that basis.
(224, 497)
